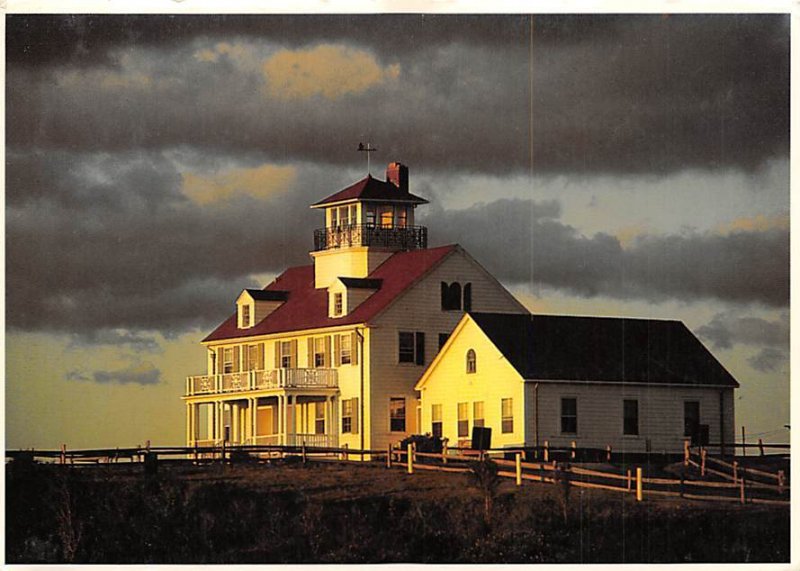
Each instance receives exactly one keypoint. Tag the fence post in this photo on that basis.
(147, 445)
(781, 477)
(744, 448)
(410, 460)
(444, 452)
(741, 491)
(346, 454)
(303, 451)
(735, 471)
(638, 484)
(608, 453)
(195, 451)
(686, 453)
(629, 479)
(63, 454)
(760, 447)
(223, 451)
(703, 462)
(546, 451)
(574, 451)
(519, 469)
(389, 457)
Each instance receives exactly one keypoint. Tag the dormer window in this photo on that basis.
(338, 304)
(245, 315)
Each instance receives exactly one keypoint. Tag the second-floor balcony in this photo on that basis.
(261, 380)
(395, 238)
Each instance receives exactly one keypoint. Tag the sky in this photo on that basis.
(633, 165)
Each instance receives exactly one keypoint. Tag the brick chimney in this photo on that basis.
(397, 174)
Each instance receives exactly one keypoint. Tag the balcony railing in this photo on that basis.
(259, 380)
(405, 238)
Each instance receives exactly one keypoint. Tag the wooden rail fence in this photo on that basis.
(741, 484)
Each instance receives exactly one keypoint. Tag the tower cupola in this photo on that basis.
(364, 224)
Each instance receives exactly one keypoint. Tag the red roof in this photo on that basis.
(371, 189)
(307, 307)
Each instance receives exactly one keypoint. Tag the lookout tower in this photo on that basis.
(365, 224)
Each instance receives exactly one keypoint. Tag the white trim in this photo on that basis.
(629, 383)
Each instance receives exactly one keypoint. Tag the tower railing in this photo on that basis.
(395, 238)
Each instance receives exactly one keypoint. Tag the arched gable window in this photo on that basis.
(451, 296)
(472, 364)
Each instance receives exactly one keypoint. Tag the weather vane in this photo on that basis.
(366, 149)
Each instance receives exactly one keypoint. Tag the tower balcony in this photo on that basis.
(393, 238)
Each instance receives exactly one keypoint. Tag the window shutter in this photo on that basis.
(327, 359)
(354, 348)
(277, 364)
(310, 342)
(337, 351)
(468, 297)
(293, 364)
(236, 368)
(261, 365)
(218, 362)
(354, 428)
(420, 348)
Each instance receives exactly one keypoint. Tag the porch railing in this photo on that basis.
(325, 440)
(264, 379)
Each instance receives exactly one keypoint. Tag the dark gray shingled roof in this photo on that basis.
(560, 347)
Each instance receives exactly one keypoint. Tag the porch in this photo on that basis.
(282, 419)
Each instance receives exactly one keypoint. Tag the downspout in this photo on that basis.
(361, 383)
(722, 422)
(536, 414)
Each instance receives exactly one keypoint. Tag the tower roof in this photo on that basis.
(369, 188)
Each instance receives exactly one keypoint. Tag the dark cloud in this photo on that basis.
(83, 254)
(768, 360)
(728, 328)
(517, 243)
(140, 373)
(602, 94)
(135, 342)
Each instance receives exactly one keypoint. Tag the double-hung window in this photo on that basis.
(397, 414)
(569, 415)
(630, 417)
(477, 414)
(411, 347)
(507, 416)
(227, 360)
(463, 419)
(436, 420)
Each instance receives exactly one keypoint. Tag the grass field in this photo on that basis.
(341, 513)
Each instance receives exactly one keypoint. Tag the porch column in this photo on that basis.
(289, 418)
(188, 424)
(254, 420)
(220, 418)
(282, 419)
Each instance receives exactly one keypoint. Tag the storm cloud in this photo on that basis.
(520, 241)
(579, 94)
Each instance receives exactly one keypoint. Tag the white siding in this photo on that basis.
(600, 415)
